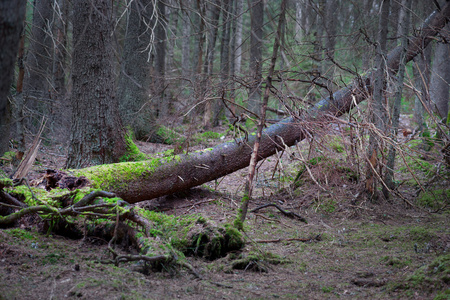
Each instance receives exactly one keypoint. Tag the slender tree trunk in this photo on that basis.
(134, 82)
(238, 37)
(378, 115)
(160, 59)
(403, 32)
(38, 64)
(224, 60)
(261, 122)
(256, 40)
(422, 73)
(12, 14)
(60, 111)
(97, 136)
(331, 25)
(214, 9)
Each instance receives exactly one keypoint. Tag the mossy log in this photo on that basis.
(144, 180)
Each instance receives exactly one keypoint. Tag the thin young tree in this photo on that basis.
(256, 59)
(403, 32)
(378, 115)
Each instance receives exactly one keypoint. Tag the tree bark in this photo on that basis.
(12, 14)
(256, 39)
(440, 77)
(138, 181)
(38, 64)
(97, 136)
(377, 111)
(134, 82)
(403, 32)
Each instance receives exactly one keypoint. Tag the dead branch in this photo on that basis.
(289, 214)
(304, 240)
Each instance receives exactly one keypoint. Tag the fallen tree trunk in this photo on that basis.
(138, 181)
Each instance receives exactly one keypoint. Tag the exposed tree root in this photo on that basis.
(159, 238)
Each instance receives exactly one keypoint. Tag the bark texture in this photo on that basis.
(134, 82)
(12, 14)
(96, 133)
(138, 181)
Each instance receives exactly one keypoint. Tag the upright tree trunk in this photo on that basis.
(331, 25)
(422, 73)
(135, 79)
(97, 136)
(186, 65)
(422, 68)
(12, 14)
(403, 32)
(238, 37)
(214, 11)
(60, 110)
(224, 60)
(38, 64)
(378, 114)
(440, 76)
(160, 59)
(256, 40)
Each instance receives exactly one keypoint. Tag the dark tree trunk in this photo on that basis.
(224, 60)
(97, 136)
(440, 76)
(135, 80)
(377, 110)
(160, 59)
(403, 32)
(138, 181)
(12, 14)
(60, 109)
(256, 39)
(38, 64)
(214, 9)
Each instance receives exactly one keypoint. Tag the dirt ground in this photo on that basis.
(349, 248)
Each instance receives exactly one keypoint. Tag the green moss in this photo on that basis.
(433, 277)
(21, 234)
(420, 234)
(337, 144)
(168, 136)
(133, 153)
(5, 182)
(118, 176)
(433, 199)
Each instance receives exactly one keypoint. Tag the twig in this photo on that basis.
(284, 212)
(305, 240)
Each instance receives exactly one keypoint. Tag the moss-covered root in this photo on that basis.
(191, 235)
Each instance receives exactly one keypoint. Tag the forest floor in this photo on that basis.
(350, 248)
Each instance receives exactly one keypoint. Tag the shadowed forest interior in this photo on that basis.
(194, 147)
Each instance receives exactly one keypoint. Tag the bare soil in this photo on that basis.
(350, 248)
